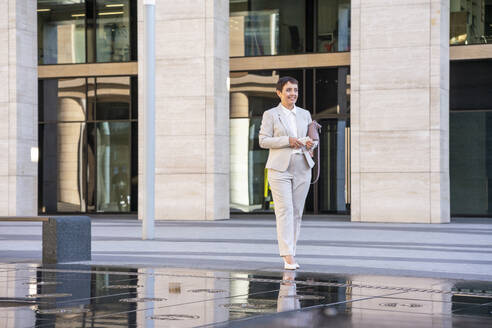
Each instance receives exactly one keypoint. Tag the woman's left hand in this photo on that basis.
(309, 144)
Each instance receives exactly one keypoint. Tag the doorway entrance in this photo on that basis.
(331, 194)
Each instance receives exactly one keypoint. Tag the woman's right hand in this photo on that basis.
(294, 143)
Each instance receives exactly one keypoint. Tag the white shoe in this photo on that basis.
(288, 266)
(297, 265)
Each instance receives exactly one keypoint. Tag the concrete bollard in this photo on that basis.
(66, 239)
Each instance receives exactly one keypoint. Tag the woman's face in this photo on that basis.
(288, 96)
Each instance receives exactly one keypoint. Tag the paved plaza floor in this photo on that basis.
(460, 250)
(229, 274)
(108, 296)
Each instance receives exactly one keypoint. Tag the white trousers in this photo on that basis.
(289, 191)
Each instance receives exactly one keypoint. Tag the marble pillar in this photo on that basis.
(18, 107)
(192, 109)
(400, 111)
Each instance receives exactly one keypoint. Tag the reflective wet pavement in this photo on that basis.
(102, 296)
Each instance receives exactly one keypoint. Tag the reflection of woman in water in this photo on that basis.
(287, 299)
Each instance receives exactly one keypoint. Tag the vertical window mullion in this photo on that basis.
(310, 23)
(133, 31)
(314, 92)
(315, 25)
(86, 35)
(94, 41)
(304, 92)
(95, 141)
(90, 31)
(86, 147)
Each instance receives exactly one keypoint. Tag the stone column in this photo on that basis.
(192, 110)
(18, 107)
(400, 111)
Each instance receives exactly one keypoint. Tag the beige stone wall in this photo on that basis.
(192, 109)
(400, 111)
(18, 107)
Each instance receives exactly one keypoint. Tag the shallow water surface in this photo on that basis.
(108, 296)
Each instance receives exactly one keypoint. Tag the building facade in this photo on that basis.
(403, 91)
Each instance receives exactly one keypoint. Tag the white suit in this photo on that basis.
(289, 172)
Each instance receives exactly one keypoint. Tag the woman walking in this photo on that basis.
(284, 132)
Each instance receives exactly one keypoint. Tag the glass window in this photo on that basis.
(113, 30)
(113, 98)
(62, 100)
(60, 167)
(470, 22)
(470, 138)
(333, 33)
(471, 163)
(88, 165)
(327, 91)
(61, 31)
(332, 92)
(251, 93)
(470, 85)
(331, 112)
(112, 166)
(247, 166)
(328, 153)
(86, 31)
(266, 27)
(281, 27)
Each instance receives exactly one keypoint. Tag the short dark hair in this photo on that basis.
(284, 80)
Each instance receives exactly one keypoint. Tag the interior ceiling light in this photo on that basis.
(115, 5)
(43, 10)
(112, 13)
(78, 15)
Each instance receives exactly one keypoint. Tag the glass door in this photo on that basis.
(332, 184)
(113, 166)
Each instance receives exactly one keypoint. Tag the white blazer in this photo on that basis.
(274, 135)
